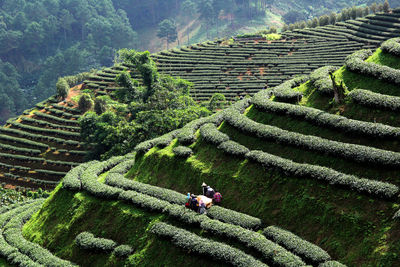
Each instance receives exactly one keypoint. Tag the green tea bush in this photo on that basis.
(72, 180)
(12, 234)
(356, 63)
(87, 241)
(270, 251)
(391, 46)
(211, 134)
(321, 118)
(375, 100)
(285, 92)
(371, 187)
(353, 152)
(331, 264)
(118, 180)
(297, 245)
(174, 197)
(233, 148)
(23, 141)
(123, 251)
(215, 250)
(182, 151)
(94, 187)
(321, 80)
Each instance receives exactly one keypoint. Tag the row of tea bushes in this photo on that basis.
(337, 122)
(391, 46)
(356, 63)
(15, 248)
(321, 80)
(203, 246)
(375, 100)
(353, 152)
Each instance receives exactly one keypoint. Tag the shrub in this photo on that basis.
(372, 187)
(85, 102)
(299, 246)
(285, 93)
(100, 104)
(120, 181)
(217, 101)
(391, 46)
(171, 196)
(321, 118)
(396, 216)
(375, 100)
(62, 88)
(182, 151)
(123, 251)
(87, 241)
(321, 80)
(211, 134)
(353, 152)
(331, 264)
(216, 250)
(72, 180)
(93, 186)
(272, 252)
(233, 148)
(18, 247)
(356, 63)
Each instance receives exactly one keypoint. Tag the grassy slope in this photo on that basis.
(355, 229)
(66, 214)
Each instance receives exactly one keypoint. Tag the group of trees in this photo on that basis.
(41, 40)
(140, 111)
(296, 19)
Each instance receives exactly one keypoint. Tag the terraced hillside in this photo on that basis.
(38, 148)
(248, 65)
(156, 216)
(287, 158)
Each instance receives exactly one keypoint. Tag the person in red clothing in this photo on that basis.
(217, 198)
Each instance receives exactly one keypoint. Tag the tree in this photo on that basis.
(373, 8)
(338, 88)
(85, 102)
(188, 8)
(293, 16)
(167, 30)
(324, 20)
(332, 18)
(386, 6)
(217, 101)
(100, 104)
(273, 29)
(62, 88)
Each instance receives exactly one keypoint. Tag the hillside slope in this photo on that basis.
(40, 146)
(288, 157)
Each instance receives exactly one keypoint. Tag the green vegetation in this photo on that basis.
(142, 111)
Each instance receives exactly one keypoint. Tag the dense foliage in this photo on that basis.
(42, 40)
(157, 105)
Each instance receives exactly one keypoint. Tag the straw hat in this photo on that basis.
(204, 184)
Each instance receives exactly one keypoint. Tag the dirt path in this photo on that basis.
(74, 91)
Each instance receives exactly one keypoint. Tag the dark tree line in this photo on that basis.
(41, 40)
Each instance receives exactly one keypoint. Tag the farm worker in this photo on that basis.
(202, 207)
(188, 198)
(217, 197)
(210, 192)
(204, 185)
(194, 203)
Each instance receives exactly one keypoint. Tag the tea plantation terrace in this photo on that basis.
(248, 65)
(38, 148)
(246, 247)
